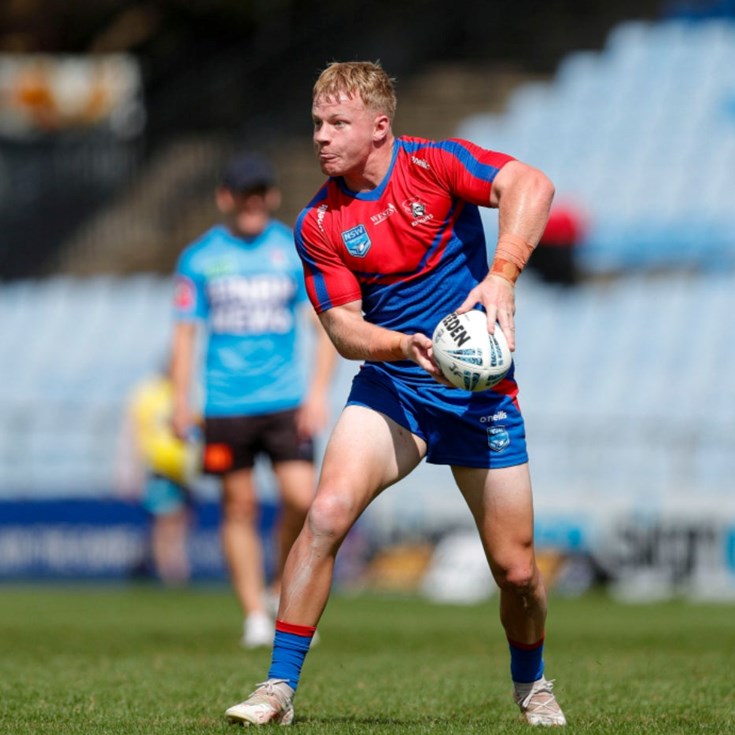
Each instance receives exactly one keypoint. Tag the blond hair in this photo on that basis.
(364, 78)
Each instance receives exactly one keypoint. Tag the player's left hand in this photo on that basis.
(417, 347)
(497, 296)
(312, 415)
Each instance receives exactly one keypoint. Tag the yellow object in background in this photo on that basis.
(164, 453)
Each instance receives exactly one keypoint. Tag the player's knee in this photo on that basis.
(240, 510)
(330, 515)
(519, 576)
(298, 507)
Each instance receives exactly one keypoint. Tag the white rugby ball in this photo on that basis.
(467, 354)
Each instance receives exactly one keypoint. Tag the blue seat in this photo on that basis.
(642, 135)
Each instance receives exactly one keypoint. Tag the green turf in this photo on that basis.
(143, 660)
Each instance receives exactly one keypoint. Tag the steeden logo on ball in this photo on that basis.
(467, 354)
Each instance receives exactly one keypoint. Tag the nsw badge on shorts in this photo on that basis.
(498, 438)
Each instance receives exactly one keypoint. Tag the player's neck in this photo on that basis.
(247, 227)
(374, 170)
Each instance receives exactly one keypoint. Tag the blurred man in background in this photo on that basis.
(243, 280)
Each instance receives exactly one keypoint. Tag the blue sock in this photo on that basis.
(290, 646)
(526, 661)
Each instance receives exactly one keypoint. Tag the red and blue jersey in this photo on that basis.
(410, 249)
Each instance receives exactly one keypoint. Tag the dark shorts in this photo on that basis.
(234, 442)
(460, 428)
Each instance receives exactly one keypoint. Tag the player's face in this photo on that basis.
(248, 213)
(344, 133)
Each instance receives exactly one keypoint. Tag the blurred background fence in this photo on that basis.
(114, 123)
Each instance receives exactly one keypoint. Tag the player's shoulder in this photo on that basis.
(280, 245)
(211, 240)
(449, 155)
(312, 215)
(280, 229)
(412, 145)
(278, 234)
(424, 156)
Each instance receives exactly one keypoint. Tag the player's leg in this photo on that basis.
(168, 542)
(168, 502)
(366, 453)
(296, 482)
(229, 453)
(292, 458)
(502, 506)
(243, 552)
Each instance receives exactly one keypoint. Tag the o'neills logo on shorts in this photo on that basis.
(457, 332)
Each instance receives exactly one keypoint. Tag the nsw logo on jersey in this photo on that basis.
(357, 241)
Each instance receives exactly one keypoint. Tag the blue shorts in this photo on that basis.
(460, 428)
(162, 496)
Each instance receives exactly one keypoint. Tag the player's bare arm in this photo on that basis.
(523, 196)
(313, 414)
(357, 339)
(182, 370)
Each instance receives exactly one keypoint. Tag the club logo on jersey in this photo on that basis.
(498, 438)
(220, 267)
(417, 209)
(184, 293)
(356, 241)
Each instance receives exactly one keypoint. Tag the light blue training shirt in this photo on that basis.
(248, 293)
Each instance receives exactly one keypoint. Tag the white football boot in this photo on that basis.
(258, 631)
(272, 701)
(538, 703)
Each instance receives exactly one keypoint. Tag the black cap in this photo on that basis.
(248, 171)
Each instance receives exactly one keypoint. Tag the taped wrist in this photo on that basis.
(511, 255)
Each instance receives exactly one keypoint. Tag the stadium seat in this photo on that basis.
(642, 135)
(614, 378)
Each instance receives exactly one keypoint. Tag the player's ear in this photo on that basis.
(273, 199)
(381, 128)
(224, 199)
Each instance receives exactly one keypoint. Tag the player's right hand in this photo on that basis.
(182, 421)
(419, 349)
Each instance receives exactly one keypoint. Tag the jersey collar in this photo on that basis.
(377, 192)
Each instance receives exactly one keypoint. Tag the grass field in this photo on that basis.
(144, 660)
